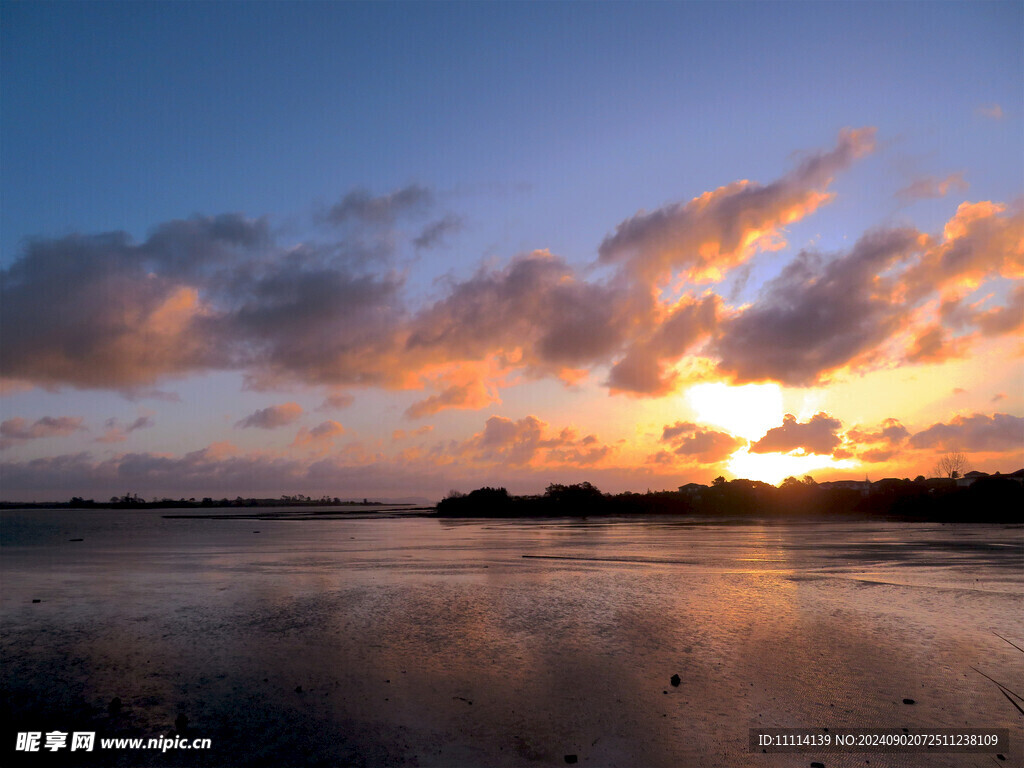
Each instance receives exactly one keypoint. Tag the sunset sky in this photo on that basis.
(389, 250)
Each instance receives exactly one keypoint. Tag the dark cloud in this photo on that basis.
(383, 210)
(977, 432)
(336, 402)
(435, 232)
(537, 304)
(721, 229)
(707, 446)
(16, 430)
(819, 435)
(143, 422)
(819, 315)
(115, 433)
(271, 418)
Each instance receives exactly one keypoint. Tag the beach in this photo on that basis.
(371, 640)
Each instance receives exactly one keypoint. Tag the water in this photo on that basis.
(369, 640)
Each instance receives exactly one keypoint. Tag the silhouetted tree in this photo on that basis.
(952, 464)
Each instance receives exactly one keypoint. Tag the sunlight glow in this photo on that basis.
(748, 411)
(775, 467)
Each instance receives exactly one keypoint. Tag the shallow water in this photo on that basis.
(502, 642)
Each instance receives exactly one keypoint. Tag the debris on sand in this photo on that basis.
(114, 706)
(909, 701)
(181, 723)
(817, 765)
(675, 680)
(298, 689)
(36, 600)
(570, 759)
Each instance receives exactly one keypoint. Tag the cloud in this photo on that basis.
(644, 368)
(891, 432)
(359, 205)
(17, 430)
(535, 304)
(517, 443)
(991, 111)
(435, 232)
(818, 315)
(704, 445)
(934, 345)
(102, 311)
(819, 435)
(401, 434)
(999, 321)
(980, 241)
(472, 395)
(932, 186)
(336, 402)
(321, 435)
(221, 294)
(882, 443)
(979, 433)
(271, 418)
(721, 229)
(116, 434)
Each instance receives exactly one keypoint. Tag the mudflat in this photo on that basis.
(377, 640)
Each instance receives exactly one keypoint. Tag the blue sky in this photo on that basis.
(528, 126)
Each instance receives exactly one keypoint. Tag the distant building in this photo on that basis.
(862, 486)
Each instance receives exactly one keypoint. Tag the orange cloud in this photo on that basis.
(319, 436)
(721, 229)
(528, 442)
(699, 444)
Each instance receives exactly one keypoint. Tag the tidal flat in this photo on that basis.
(372, 640)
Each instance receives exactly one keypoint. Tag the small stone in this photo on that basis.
(675, 680)
(1000, 757)
(181, 723)
(114, 706)
(570, 759)
(909, 701)
(298, 689)
(36, 600)
(817, 765)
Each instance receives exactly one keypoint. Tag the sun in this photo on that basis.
(775, 467)
(748, 411)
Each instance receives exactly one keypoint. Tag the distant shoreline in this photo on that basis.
(205, 504)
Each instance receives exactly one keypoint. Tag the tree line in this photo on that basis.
(989, 499)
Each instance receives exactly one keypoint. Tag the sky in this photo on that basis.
(390, 250)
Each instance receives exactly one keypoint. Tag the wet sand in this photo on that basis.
(418, 642)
